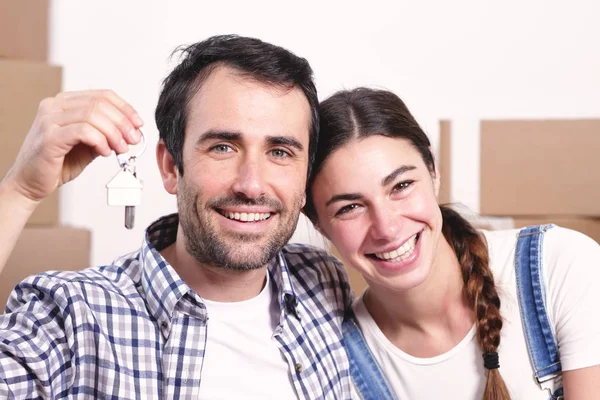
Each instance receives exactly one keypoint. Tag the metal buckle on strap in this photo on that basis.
(541, 385)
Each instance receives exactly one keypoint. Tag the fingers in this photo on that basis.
(86, 134)
(104, 117)
(103, 110)
(109, 96)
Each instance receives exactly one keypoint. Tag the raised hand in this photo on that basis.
(69, 131)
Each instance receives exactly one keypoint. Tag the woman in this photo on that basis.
(441, 295)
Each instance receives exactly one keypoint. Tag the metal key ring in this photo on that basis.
(120, 157)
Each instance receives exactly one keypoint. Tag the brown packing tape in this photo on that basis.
(545, 167)
(42, 249)
(24, 29)
(23, 85)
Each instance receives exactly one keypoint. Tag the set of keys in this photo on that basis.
(125, 188)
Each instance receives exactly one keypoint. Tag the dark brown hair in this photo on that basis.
(359, 113)
(251, 57)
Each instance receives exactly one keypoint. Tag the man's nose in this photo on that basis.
(250, 180)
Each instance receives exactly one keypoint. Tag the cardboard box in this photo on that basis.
(540, 168)
(444, 162)
(587, 226)
(24, 29)
(42, 249)
(23, 85)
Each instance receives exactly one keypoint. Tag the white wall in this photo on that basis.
(462, 60)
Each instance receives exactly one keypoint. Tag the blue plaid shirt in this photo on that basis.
(135, 330)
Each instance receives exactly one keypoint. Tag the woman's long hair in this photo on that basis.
(363, 112)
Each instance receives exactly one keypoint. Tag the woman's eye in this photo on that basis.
(400, 186)
(346, 209)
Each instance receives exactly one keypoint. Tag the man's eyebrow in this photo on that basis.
(399, 171)
(344, 197)
(285, 141)
(219, 135)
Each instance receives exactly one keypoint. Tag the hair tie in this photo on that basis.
(490, 360)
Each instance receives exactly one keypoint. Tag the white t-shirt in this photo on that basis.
(242, 359)
(571, 268)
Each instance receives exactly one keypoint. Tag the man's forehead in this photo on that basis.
(227, 80)
(229, 102)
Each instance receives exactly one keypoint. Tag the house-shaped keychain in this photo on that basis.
(124, 189)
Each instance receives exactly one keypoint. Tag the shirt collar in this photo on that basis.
(164, 288)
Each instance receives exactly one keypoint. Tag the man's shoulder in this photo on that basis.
(318, 277)
(310, 261)
(118, 279)
(308, 255)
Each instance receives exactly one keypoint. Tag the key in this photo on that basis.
(125, 189)
(129, 216)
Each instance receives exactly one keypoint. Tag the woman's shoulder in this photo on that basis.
(557, 240)
(561, 240)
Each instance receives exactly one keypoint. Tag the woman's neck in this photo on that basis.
(429, 319)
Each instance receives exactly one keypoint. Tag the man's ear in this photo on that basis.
(167, 167)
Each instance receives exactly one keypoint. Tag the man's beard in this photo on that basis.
(227, 249)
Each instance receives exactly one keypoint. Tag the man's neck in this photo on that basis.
(214, 282)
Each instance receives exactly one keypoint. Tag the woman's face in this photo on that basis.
(377, 202)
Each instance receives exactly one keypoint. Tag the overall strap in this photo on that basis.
(366, 374)
(541, 344)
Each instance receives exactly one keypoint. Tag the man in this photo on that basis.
(214, 304)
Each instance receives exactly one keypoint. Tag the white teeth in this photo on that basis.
(247, 217)
(401, 253)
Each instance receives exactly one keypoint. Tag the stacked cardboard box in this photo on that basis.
(25, 79)
(542, 171)
(533, 172)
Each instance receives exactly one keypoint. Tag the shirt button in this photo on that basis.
(165, 325)
(298, 368)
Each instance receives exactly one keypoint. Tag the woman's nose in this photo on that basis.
(385, 223)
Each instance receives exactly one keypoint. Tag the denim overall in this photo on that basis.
(543, 350)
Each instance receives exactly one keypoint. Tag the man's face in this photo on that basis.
(245, 160)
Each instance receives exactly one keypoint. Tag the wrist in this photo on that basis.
(13, 195)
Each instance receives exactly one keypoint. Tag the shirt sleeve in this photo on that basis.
(572, 274)
(34, 354)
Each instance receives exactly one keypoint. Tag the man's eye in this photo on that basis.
(346, 209)
(280, 153)
(222, 148)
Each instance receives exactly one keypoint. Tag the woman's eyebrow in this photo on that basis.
(344, 197)
(399, 171)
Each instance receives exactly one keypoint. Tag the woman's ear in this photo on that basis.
(167, 167)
